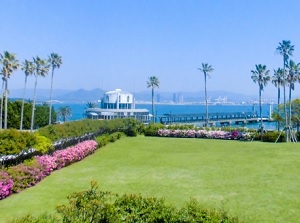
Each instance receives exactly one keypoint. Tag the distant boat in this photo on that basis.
(223, 101)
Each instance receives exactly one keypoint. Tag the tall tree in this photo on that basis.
(41, 69)
(9, 65)
(286, 50)
(260, 76)
(64, 112)
(90, 104)
(278, 81)
(152, 83)
(28, 68)
(2, 103)
(55, 61)
(206, 70)
(291, 78)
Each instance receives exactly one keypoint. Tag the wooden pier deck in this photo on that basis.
(222, 118)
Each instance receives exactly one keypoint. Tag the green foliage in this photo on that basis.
(43, 218)
(131, 127)
(43, 144)
(40, 119)
(151, 129)
(272, 137)
(135, 208)
(194, 212)
(94, 205)
(13, 142)
(81, 127)
(102, 140)
(87, 206)
(25, 175)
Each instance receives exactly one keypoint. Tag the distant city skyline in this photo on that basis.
(111, 44)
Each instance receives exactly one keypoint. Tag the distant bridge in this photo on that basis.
(222, 118)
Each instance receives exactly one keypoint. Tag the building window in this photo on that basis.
(119, 98)
(128, 98)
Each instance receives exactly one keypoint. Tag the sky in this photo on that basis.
(111, 44)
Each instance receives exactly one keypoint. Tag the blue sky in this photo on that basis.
(119, 44)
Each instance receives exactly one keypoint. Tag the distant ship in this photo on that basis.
(223, 101)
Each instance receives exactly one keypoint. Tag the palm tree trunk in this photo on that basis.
(285, 116)
(153, 105)
(290, 111)
(278, 103)
(2, 104)
(206, 103)
(284, 102)
(33, 105)
(5, 112)
(22, 109)
(50, 105)
(260, 115)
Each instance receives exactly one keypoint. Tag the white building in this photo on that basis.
(118, 104)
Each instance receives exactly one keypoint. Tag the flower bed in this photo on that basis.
(22, 176)
(209, 134)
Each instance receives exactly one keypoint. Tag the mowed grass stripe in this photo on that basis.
(257, 181)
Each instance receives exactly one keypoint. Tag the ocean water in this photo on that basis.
(78, 110)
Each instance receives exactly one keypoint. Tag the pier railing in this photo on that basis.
(223, 118)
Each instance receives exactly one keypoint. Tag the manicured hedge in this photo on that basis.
(28, 174)
(84, 127)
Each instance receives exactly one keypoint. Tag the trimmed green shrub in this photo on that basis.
(102, 140)
(152, 129)
(272, 137)
(13, 142)
(43, 145)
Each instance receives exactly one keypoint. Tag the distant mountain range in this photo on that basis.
(82, 95)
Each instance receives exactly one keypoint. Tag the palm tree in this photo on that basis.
(28, 68)
(291, 78)
(206, 69)
(55, 60)
(286, 50)
(41, 69)
(278, 81)
(64, 112)
(90, 104)
(152, 83)
(260, 76)
(9, 65)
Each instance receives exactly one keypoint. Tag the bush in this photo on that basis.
(99, 206)
(152, 129)
(43, 218)
(13, 142)
(102, 140)
(6, 185)
(272, 137)
(105, 138)
(43, 145)
(25, 175)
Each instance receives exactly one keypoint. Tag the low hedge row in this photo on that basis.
(80, 128)
(187, 131)
(94, 205)
(27, 174)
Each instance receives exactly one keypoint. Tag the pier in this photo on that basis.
(221, 118)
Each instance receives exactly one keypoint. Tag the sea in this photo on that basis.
(78, 110)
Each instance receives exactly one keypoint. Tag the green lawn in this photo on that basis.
(259, 182)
